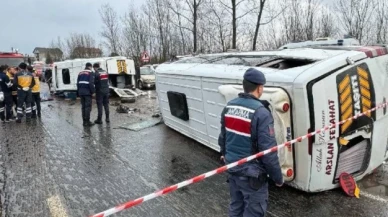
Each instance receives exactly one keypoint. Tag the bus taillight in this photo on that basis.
(286, 107)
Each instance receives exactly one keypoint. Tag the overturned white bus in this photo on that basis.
(307, 88)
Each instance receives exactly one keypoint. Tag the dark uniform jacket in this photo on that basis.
(85, 83)
(13, 88)
(247, 127)
(5, 83)
(102, 82)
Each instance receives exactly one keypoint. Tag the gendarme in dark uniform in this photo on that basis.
(102, 92)
(247, 127)
(85, 87)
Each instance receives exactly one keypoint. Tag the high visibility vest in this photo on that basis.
(36, 88)
(24, 79)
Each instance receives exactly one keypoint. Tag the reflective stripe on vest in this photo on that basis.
(237, 120)
(104, 76)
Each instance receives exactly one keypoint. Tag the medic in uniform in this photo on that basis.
(85, 87)
(6, 104)
(14, 90)
(102, 92)
(247, 127)
(24, 81)
(35, 94)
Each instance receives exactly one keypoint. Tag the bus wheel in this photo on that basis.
(140, 85)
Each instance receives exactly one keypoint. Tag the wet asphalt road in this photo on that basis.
(55, 167)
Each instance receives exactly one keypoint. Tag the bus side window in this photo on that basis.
(66, 76)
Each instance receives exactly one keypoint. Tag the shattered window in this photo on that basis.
(198, 59)
(229, 60)
(243, 60)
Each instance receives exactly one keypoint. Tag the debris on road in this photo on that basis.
(142, 125)
(122, 109)
(125, 109)
(115, 103)
(44, 97)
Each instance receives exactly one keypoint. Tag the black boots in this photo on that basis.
(98, 121)
(88, 123)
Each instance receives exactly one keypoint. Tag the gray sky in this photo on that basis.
(44, 20)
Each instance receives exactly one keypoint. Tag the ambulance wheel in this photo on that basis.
(140, 85)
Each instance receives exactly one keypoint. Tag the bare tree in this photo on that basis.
(326, 25)
(111, 30)
(238, 12)
(193, 7)
(272, 14)
(218, 24)
(58, 44)
(134, 34)
(82, 46)
(382, 22)
(356, 17)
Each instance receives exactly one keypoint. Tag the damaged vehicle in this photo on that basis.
(121, 74)
(307, 89)
(147, 77)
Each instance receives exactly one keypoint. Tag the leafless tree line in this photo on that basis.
(179, 27)
(78, 45)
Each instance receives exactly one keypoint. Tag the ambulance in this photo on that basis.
(307, 89)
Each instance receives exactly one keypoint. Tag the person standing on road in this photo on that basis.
(24, 81)
(35, 94)
(11, 74)
(48, 78)
(86, 89)
(247, 127)
(102, 92)
(6, 104)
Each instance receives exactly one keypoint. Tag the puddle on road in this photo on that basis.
(377, 182)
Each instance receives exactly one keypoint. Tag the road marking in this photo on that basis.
(56, 207)
(374, 197)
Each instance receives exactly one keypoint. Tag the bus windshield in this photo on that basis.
(11, 61)
(147, 71)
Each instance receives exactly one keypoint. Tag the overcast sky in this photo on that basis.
(40, 21)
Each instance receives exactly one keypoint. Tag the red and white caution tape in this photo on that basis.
(219, 170)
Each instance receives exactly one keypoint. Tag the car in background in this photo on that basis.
(147, 77)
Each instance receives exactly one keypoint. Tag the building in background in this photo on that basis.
(48, 55)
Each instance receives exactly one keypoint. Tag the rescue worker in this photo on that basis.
(85, 88)
(247, 127)
(11, 74)
(102, 92)
(24, 81)
(35, 94)
(6, 104)
(48, 77)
